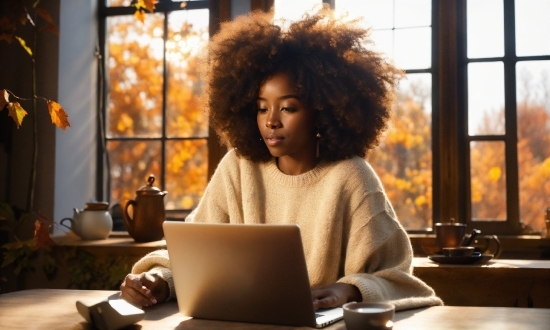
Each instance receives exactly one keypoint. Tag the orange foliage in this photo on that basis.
(16, 112)
(135, 110)
(489, 189)
(404, 159)
(20, 14)
(58, 115)
(404, 163)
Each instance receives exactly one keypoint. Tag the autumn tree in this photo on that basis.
(488, 172)
(135, 108)
(404, 158)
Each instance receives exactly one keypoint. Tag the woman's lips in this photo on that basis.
(273, 140)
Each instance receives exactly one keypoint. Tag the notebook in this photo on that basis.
(243, 273)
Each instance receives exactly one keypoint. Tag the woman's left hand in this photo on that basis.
(334, 295)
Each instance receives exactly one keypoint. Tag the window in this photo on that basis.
(471, 139)
(490, 124)
(153, 124)
(402, 29)
(506, 65)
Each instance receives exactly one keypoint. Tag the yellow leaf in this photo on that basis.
(144, 4)
(16, 112)
(420, 200)
(59, 116)
(149, 4)
(24, 45)
(140, 15)
(4, 98)
(494, 173)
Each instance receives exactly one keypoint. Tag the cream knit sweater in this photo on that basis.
(349, 230)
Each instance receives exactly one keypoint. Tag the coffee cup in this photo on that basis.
(449, 234)
(458, 251)
(368, 316)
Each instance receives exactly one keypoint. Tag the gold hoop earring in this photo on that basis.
(318, 136)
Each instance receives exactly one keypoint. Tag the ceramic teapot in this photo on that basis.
(148, 213)
(92, 223)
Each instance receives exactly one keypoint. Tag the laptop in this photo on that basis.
(243, 273)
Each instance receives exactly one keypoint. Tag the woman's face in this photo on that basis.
(287, 126)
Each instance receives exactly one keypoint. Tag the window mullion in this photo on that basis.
(510, 112)
(446, 114)
(164, 102)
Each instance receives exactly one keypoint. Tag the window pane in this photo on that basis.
(404, 158)
(410, 48)
(293, 10)
(413, 48)
(486, 98)
(377, 14)
(118, 3)
(532, 26)
(135, 76)
(187, 34)
(186, 173)
(131, 164)
(485, 22)
(533, 106)
(413, 13)
(383, 42)
(488, 180)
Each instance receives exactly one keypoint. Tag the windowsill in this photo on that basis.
(528, 247)
(120, 240)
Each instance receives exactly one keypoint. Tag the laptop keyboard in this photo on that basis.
(318, 315)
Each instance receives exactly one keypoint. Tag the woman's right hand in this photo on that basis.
(144, 289)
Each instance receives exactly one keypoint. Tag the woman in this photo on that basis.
(301, 107)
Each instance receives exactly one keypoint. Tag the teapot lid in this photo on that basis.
(149, 189)
(96, 206)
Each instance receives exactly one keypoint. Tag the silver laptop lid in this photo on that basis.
(244, 273)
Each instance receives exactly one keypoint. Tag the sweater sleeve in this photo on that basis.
(218, 197)
(212, 207)
(379, 258)
(156, 262)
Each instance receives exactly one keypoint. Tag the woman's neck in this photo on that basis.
(291, 166)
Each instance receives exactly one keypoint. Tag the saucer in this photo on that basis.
(476, 258)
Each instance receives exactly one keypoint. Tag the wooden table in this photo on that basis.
(497, 283)
(55, 309)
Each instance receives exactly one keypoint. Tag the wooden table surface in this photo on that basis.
(499, 282)
(55, 309)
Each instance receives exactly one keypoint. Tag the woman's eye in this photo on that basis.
(288, 109)
(262, 110)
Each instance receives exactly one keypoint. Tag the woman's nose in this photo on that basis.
(272, 120)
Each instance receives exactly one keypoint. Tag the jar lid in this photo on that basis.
(149, 189)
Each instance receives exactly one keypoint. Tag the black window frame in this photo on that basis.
(219, 11)
(512, 224)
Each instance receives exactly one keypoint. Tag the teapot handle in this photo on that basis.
(497, 250)
(127, 219)
(70, 220)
